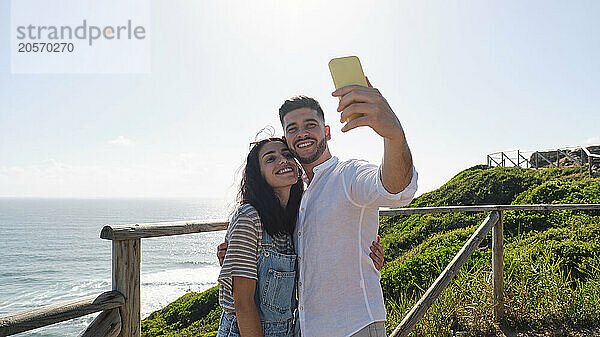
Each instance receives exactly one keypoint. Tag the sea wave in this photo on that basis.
(196, 263)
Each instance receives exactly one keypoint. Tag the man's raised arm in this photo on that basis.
(397, 164)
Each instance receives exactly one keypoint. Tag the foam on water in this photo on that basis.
(160, 288)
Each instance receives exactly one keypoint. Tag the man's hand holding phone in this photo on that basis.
(372, 106)
(360, 103)
(369, 108)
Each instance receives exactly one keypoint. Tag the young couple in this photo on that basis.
(297, 259)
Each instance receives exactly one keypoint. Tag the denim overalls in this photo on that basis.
(275, 295)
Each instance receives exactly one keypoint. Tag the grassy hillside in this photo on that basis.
(552, 260)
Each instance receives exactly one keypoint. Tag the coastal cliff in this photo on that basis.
(552, 261)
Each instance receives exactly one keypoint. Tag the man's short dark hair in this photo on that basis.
(298, 102)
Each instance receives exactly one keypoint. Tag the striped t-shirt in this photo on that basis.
(244, 238)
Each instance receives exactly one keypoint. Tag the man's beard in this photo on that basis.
(321, 147)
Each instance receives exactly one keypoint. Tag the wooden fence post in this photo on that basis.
(126, 279)
(498, 267)
(107, 324)
(590, 164)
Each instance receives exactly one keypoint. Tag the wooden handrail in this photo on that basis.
(492, 159)
(434, 291)
(121, 307)
(491, 154)
(587, 152)
(150, 230)
(519, 156)
(126, 242)
(495, 219)
(570, 157)
(107, 324)
(538, 154)
(507, 157)
(50, 314)
(590, 156)
(485, 208)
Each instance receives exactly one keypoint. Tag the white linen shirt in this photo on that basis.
(339, 290)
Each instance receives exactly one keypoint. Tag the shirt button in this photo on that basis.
(299, 258)
(302, 209)
(301, 308)
(299, 284)
(299, 233)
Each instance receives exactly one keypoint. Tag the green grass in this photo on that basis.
(552, 261)
(552, 282)
(193, 314)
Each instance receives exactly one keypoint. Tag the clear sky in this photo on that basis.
(465, 79)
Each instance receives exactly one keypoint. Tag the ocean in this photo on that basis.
(51, 251)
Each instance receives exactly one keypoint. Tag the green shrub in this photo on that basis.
(480, 185)
(414, 271)
(182, 313)
(417, 228)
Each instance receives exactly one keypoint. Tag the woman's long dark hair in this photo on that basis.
(255, 190)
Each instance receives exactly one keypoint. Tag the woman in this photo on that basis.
(257, 280)
(258, 275)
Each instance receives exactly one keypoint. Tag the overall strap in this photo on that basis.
(267, 240)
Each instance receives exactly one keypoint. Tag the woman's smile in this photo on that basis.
(278, 165)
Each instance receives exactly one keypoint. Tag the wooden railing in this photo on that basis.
(106, 324)
(126, 244)
(493, 160)
(493, 222)
(515, 158)
(120, 308)
(590, 156)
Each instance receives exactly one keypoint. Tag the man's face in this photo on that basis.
(306, 134)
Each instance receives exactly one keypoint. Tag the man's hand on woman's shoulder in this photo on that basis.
(377, 254)
(221, 250)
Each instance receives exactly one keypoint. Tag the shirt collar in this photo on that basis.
(326, 164)
(323, 166)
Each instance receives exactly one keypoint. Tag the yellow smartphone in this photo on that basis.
(347, 71)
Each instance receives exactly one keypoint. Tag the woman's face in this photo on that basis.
(277, 165)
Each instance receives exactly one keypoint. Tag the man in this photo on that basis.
(339, 290)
